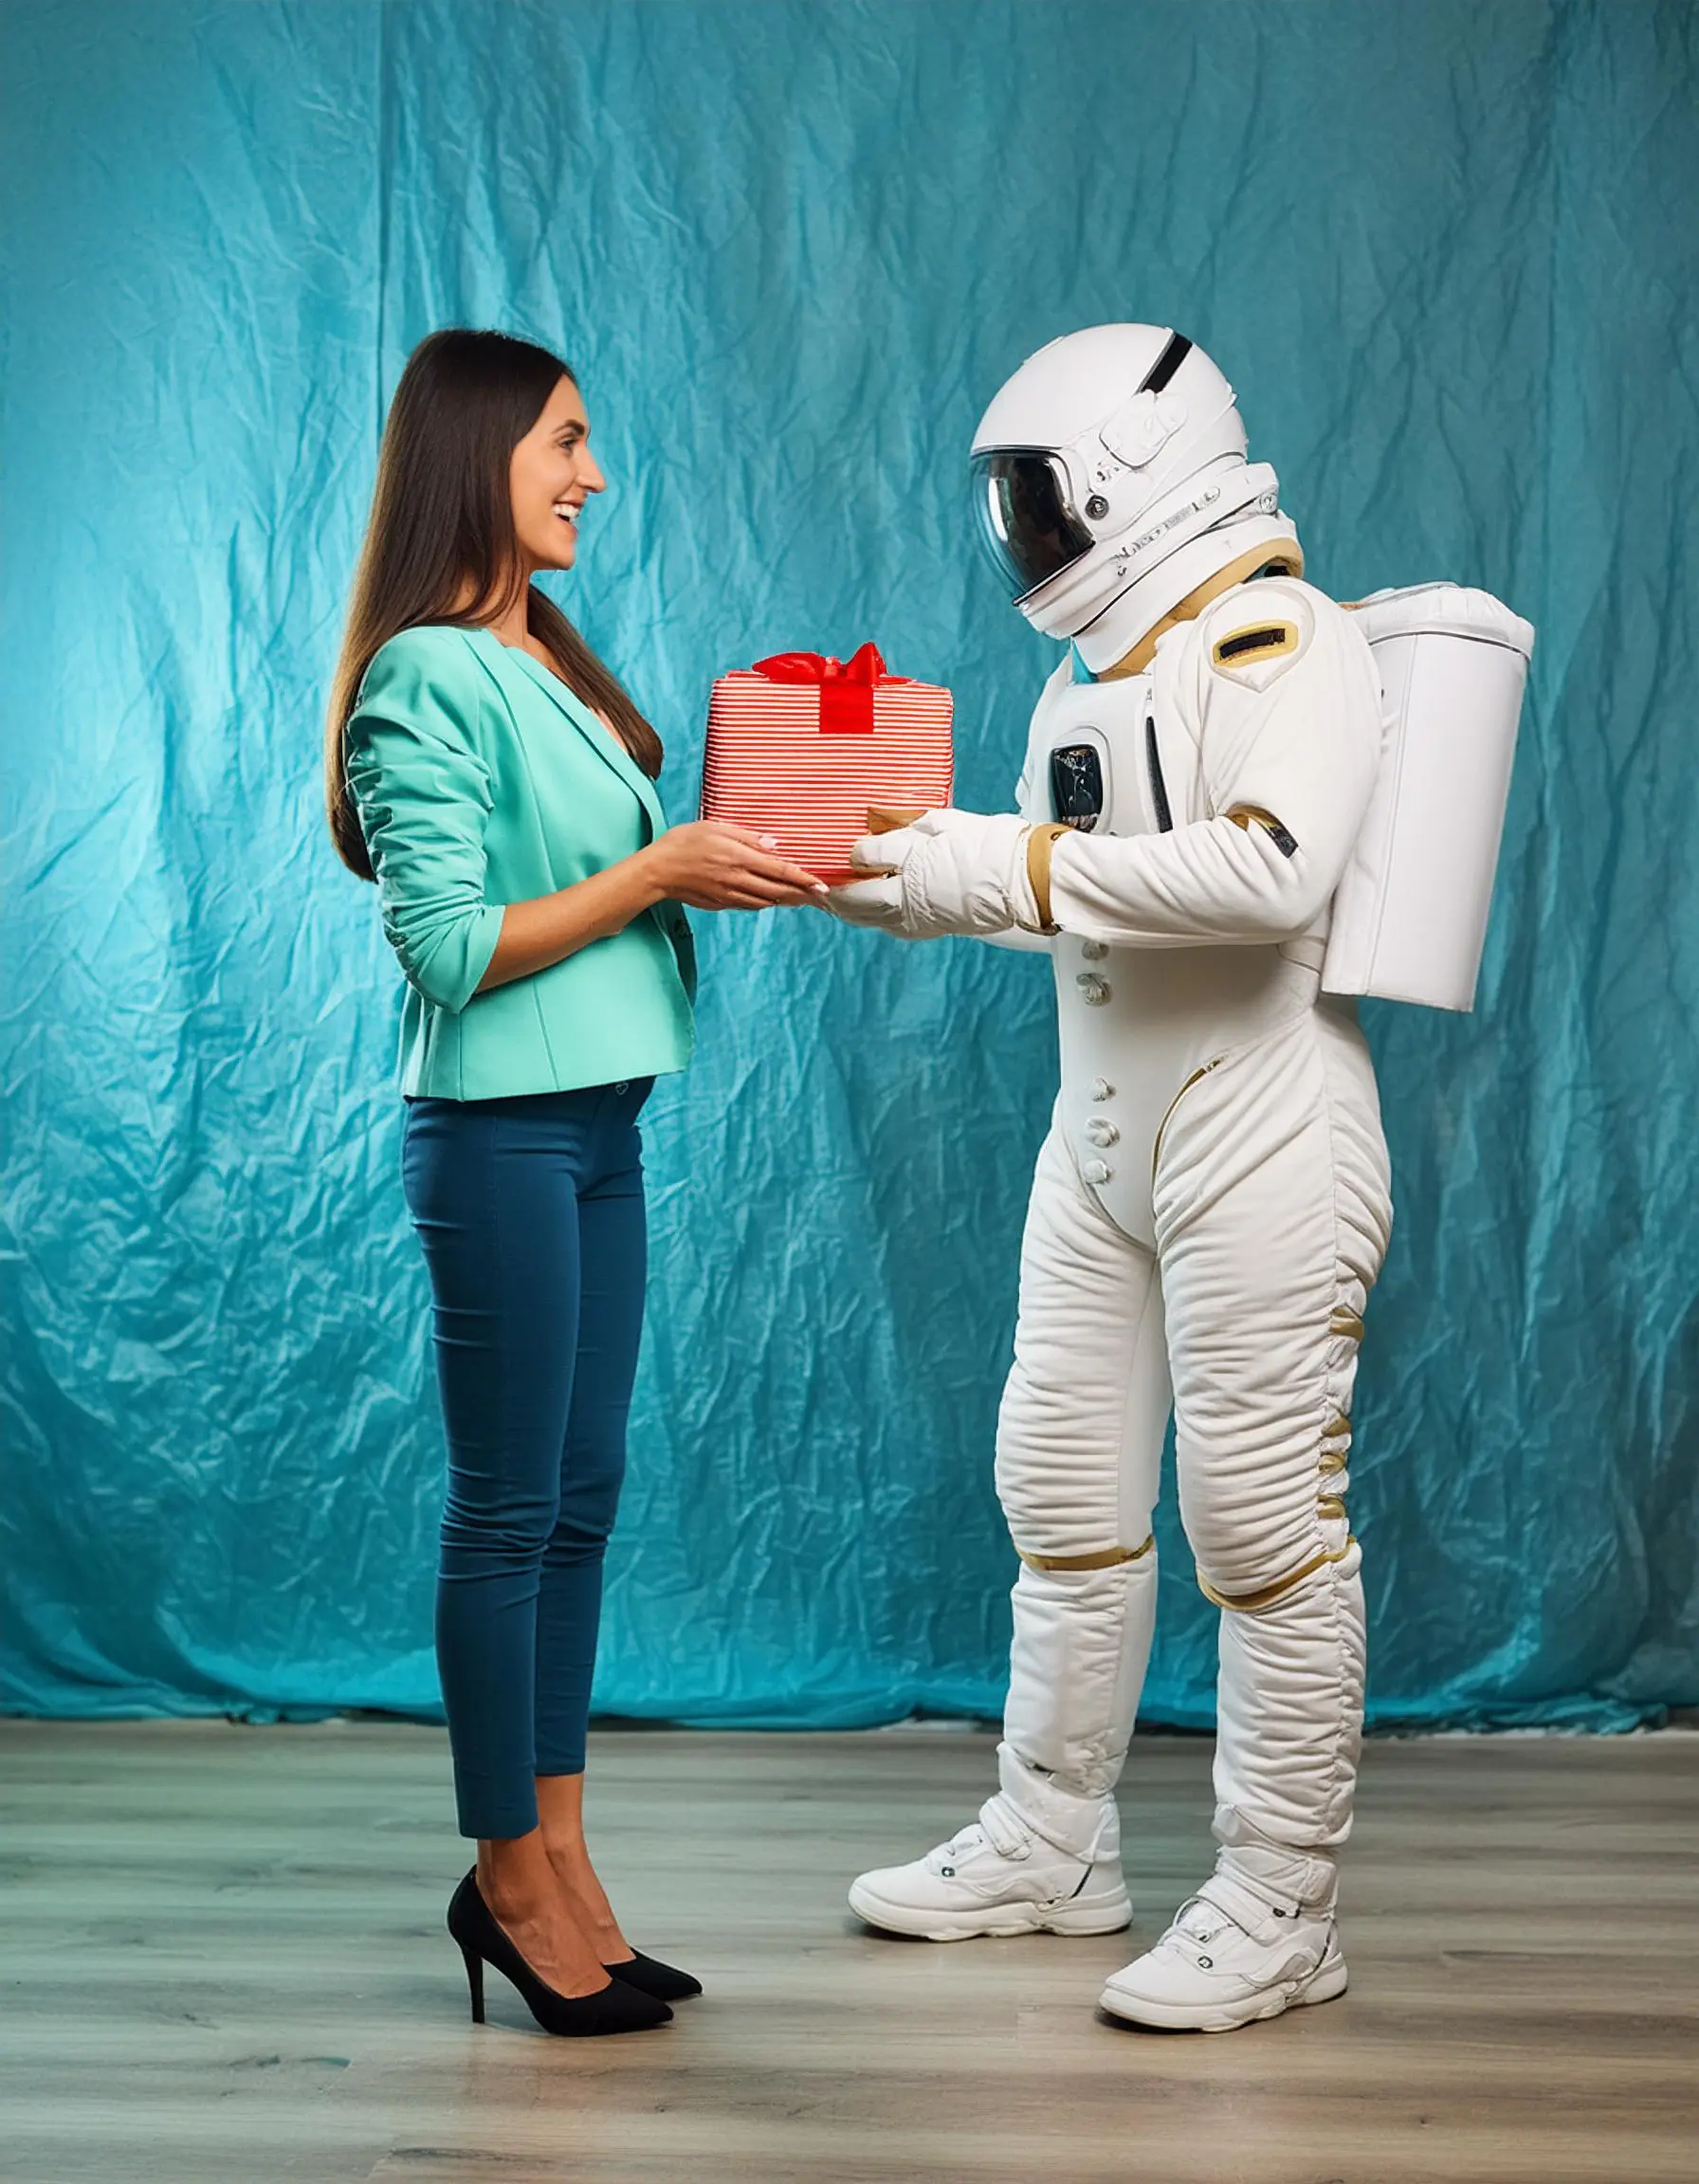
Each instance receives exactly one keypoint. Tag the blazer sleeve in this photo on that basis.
(424, 797)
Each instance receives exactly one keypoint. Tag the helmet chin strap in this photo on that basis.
(1123, 639)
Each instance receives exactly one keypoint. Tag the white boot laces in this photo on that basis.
(961, 1846)
(1193, 1930)
(996, 1827)
(1009, 1835)
(1221, 1903)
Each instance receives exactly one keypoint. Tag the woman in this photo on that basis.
(493, 776)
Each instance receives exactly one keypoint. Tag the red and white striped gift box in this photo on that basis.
(804, 747)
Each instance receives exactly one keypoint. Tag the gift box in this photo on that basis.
(818, 752)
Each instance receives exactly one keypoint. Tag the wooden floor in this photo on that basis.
(222, 1958)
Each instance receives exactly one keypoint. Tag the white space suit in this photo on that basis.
(1210, 1207)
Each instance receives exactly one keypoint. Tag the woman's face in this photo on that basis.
(552, 476)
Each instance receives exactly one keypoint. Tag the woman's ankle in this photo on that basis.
(566, 1847)
(589, 1903)
(516, 1873)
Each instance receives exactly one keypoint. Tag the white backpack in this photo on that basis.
(1410, 915)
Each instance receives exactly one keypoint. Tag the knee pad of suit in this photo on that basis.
(1248, 1575)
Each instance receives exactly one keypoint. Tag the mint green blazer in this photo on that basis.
(480, 779)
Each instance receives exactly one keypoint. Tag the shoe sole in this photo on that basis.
(1102, 1913)
(1325, 1984)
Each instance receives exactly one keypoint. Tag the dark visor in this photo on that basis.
(1025, 517)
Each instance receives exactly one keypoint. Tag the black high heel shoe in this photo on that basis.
(619, 2007)
(650, 1976)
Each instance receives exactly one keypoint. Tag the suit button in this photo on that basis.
(1102, 1089)
(1101, 1131)
(1094, 991)
(1097, 1172)
(1094, 951)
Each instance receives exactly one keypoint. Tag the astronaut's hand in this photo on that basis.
(875, 903)
(950, 872)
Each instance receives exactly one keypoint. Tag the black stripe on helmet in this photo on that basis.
(1166, 365)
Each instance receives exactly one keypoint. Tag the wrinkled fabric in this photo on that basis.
(1447, 256)
(1079, 1455)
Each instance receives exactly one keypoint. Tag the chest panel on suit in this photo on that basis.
(1101, 762)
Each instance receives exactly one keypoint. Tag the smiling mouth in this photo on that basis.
(569, 511)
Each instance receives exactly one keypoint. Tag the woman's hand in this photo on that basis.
(708, 865)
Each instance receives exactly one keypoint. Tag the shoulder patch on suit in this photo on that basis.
(1258, 641)
(1256, 633)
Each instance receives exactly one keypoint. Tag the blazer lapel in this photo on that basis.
(605, 745)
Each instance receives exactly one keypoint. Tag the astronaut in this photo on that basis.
(1210, 1207)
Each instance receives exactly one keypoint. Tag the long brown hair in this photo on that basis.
(441, 518)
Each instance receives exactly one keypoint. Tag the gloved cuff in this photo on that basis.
(1029, 888)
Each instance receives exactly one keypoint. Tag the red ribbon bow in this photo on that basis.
(845, 687)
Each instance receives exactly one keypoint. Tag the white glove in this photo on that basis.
(950, 872)
(876, 903)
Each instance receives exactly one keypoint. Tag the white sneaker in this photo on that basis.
(996, 1877)
(1231, 1960)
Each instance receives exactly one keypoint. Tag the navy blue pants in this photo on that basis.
(531, 1215)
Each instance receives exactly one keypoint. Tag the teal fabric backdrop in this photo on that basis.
(1447, 252)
